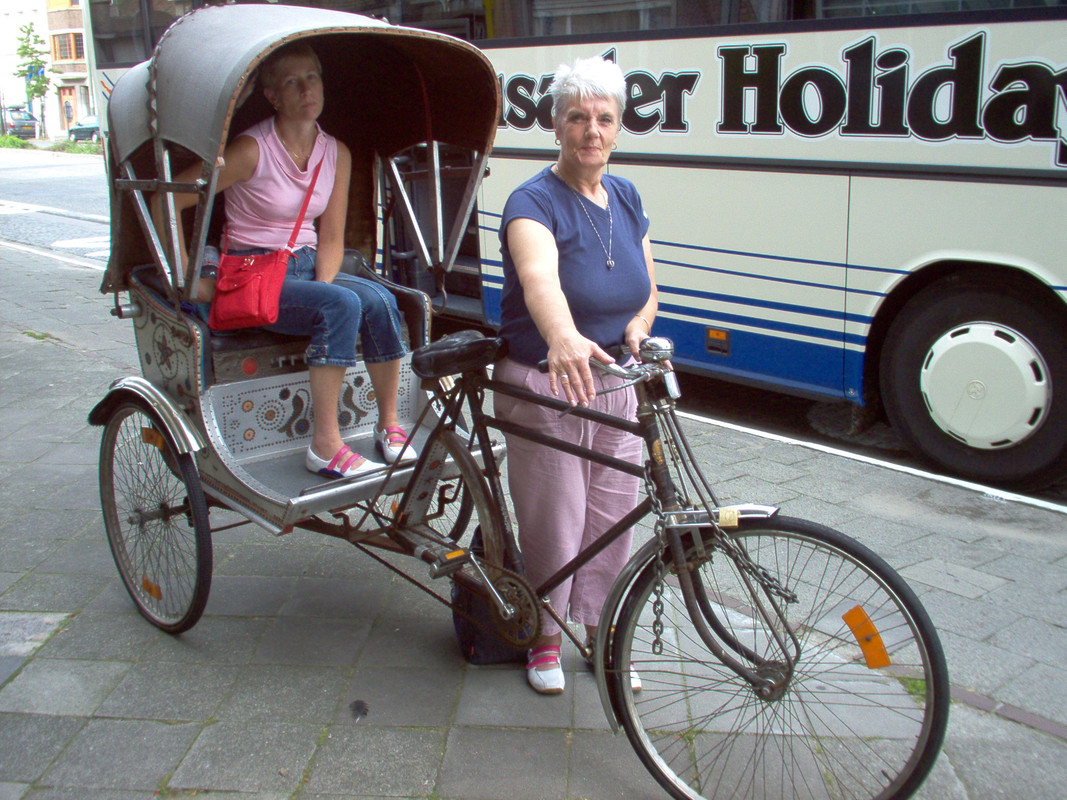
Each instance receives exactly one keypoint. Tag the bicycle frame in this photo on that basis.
(675, 519)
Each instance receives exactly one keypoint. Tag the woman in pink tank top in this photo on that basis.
(268, 170)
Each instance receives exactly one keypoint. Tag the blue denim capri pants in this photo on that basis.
(334, 314)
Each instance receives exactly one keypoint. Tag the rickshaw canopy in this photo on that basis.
(387, 88)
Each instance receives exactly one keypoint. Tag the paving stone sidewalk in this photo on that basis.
(316, 674)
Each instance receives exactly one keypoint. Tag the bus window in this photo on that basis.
(125, 31)
(542, 18)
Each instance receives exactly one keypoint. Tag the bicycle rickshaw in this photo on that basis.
(779, 658)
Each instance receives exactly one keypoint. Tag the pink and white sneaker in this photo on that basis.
(345, 464)
(545, 681)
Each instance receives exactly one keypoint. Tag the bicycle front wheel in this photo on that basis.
(863, 699)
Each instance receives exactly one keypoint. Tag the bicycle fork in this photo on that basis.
(768, 677)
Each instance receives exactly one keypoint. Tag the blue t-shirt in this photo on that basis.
(602, 301)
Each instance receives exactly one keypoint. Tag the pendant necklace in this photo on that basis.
(607, 249)
(297, 157)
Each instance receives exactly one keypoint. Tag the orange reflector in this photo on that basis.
(867, 636)
(453, 554)
(152, 588)
(153, 437)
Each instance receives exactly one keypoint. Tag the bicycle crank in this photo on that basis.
(522, 627)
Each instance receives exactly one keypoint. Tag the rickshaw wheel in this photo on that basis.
(156, 518)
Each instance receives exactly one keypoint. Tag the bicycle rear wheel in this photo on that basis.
(863, 714)
(156, 518)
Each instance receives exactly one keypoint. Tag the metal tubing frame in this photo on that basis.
(436, 251)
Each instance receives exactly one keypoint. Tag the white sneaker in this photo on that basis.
(342, 464)
(393, 445)
(545, 681)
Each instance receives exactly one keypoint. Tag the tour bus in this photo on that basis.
(855, 200)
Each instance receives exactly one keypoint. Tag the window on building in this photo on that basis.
(61, 47)
(68, 46)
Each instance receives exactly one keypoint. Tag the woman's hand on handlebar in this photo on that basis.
(636, 332)
(569, 370)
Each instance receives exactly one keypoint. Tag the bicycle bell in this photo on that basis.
(657, 348)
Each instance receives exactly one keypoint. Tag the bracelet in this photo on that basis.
(649, 324)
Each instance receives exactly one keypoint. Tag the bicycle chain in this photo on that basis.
(657, 589)
(760, 574)
(657, 604)
(738, 554)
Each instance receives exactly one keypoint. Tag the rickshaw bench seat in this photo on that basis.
(257, 352)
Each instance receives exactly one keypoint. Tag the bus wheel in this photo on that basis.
(975, 380)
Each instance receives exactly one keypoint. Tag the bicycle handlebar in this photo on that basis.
(656, 352)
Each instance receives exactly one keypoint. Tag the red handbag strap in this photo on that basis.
(304, 207)
(299, 219)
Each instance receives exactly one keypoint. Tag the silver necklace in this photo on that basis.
(607, 250)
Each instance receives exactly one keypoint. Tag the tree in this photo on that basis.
(31, 68)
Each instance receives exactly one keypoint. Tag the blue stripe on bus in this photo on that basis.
(802, 366)
(743, 254)
(492, 311)
(769, 257)
(769, 278)
(811, 311)
(766, 357)
(712, 319)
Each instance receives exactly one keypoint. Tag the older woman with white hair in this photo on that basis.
(578, 279)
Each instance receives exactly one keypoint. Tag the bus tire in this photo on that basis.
(974, 378)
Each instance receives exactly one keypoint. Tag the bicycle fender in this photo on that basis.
(609, 614)
(185, 437)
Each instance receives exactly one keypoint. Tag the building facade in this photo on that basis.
(59, 24)
(70, 98)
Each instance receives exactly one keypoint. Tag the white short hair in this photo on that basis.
(585, 78)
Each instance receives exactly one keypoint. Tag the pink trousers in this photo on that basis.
(563, 502)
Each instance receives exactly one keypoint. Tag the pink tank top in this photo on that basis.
(261, 211)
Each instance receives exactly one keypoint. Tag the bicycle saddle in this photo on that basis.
(458, 352)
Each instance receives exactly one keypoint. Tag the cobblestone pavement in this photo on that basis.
(256, 700)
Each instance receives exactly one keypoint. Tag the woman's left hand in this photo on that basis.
(637, 330)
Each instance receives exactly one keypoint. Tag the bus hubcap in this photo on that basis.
(986, 385)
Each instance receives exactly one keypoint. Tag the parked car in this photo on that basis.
(86, 128)
(18, 122)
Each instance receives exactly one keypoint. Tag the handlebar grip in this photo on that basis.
(614, 350)
(610, 369)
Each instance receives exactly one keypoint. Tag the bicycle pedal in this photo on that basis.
(447, 562)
